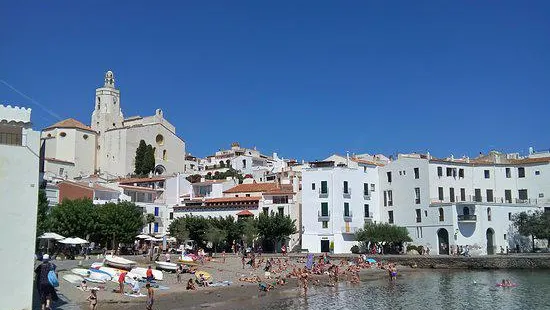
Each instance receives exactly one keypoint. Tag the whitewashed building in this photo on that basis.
(19, 159)
(338, 197)
(71, 149)
(451, 202)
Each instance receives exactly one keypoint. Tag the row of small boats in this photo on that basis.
(123, 263)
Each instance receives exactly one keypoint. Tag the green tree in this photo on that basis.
(178, 229)
(216, 236)
(382, 232)
(276, 228)
(149, 219)
(140, 156)
(533, 224)
(194, 178)
(42, 213)
(74, 218)
(120, 222)
(249, 230)
(149, 160)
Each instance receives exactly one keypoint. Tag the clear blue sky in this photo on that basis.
(303, 79)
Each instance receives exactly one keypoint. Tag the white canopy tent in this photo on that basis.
(51, 235)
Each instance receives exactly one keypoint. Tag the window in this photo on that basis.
(171, 215)
(508, 173)
(312, 186)
(418, 216)
(156, 229)
(324, 208)
(487, 174)
(62, 134)
(440, 192)
(451, 194)
(98, 103)
(385, 198)
(390, 217)
(247, 195)
(366, 210)
(489, 195)
(439, 171)
(461, 173)
(462, 194)
(390, 198)
(346, 190)
(325, 224)
(279, 199)
(441, 215)
(266, 211)
(244, 163)
(400, 173)
(61, 171)
(281, 211)
(324, 187)
(417, 195)
(466, 211)
(365, 189)
(164, 155)
(389, 176)
(372, 187)
(521, 172)
(537, 172)
(509, 216)
(416, 173)
(489, 214)
(522, 193)
(404, 172)
(449, 172)
(505, 236)
(346, 209)
(85, 137)
(508, 195)
(477, 196)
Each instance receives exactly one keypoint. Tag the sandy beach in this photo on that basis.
(177, 297)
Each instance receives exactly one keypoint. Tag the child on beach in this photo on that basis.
(92, 299)
(191, 285)
(223, 256)
(150, 297)
(179, 271)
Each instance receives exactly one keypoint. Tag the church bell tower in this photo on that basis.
(107, 112)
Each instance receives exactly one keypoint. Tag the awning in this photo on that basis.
(51, 235)
(74, 241)
(245, 213)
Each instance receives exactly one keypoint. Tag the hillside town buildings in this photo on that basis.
(19, 157)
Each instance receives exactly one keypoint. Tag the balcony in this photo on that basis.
(348, 217)
(488, 200)
(349, 230)
(467, 218)
(323, 217)
(366, 196)
(368, 218)
(323, 194)
(346, 194)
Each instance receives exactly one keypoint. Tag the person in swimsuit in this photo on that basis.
(93, 299)
(150, 297)
(393, 273)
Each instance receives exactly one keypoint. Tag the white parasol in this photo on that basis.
(74, 241)
(51, 235)
(142, 237)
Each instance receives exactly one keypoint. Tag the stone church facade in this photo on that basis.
(107, 147)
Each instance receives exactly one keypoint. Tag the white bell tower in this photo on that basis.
(107, 112)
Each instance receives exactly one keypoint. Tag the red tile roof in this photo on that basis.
(232, 199)
(87, 185)
(253, 187)
(70, 123)
(245, 213)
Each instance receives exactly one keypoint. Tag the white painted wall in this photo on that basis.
(19, 198)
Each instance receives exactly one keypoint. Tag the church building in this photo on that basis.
(70, 149)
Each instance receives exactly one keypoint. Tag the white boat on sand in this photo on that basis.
(142, 273)
(166, 266)
(119, 262)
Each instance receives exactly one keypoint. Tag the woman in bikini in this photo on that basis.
(92, 299)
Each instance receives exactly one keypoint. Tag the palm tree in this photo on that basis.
(149, 219)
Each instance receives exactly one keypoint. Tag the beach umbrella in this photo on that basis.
(51, 235)
(73, 241)
(142, 237)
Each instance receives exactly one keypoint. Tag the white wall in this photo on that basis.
(19, 198)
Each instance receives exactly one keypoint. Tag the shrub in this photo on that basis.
(412, 247)
(354, 249)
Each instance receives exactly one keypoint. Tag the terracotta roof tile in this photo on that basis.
(141, 180)
(70, 123)
(245, 213)
(232, 199)
(364, 161)
(253, 187)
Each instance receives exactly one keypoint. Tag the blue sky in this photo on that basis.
(302, 79)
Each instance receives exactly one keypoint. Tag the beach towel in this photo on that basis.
(135, 295)
(309, 262)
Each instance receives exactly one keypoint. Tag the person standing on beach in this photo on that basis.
(121, 279)
(149, 274)
(243, 260)
(150, 297)
(45, 289)
(93, 299)
(223, 256)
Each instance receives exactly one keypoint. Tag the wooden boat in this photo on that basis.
(166, 266)
(119, 262)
